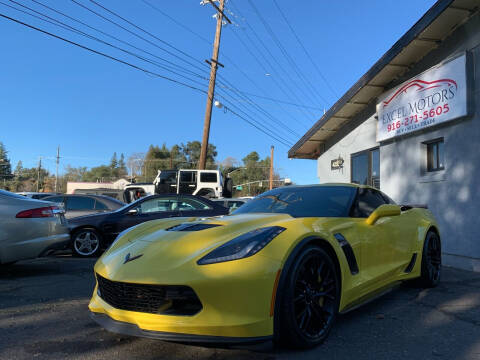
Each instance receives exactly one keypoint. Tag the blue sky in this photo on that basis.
(53, 93)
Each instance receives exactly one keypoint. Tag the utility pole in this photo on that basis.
(211, 85)
(56, 170)
(271, 167)
(38, 172)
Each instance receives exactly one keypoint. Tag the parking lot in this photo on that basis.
(44, 315)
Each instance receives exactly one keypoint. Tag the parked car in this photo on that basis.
(37, 195)
(93, 233)
(29, 228)
(80, 205)
(231, 204)
(280, 268)
(113, 193)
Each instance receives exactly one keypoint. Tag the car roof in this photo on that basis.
(95, 196)
(359, 186)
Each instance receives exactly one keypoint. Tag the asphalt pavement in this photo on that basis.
(44, 315)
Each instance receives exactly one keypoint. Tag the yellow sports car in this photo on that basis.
(280, 268)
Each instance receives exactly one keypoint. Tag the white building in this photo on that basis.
(83, 185)
(411, 126)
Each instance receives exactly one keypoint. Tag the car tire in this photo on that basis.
(310, 299)
(431, 261)
(86, 242)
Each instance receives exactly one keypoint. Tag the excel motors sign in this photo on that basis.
(435, 96)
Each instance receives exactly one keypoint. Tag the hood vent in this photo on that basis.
(191, 227)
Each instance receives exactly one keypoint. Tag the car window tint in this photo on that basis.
(80, 203)
(234, 204)
(157, 205)
(56, 199)
(188, 176)
(186, 204)
(309, 201)
(368, 200)
(100, 206)
(388, 199)
(208, 177)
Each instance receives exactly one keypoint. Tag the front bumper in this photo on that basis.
(236, 301)
(129, 329)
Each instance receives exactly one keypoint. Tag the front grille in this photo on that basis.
(146, 298)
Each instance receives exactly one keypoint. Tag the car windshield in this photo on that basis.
(312, 201)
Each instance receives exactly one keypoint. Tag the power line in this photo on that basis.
(285, 88)
(285, 53)
(180, 68)
(148, 33)
(183, 26)
(79, 32)
(102, 54)
(252, 122)
(138, 36)
(177, 22)
(230, 86)
(304, 49)
(255, 57)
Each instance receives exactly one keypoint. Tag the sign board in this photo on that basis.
(433, 97)
(337, 164)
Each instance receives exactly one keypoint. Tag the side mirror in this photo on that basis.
(383, 211)
(132, 212)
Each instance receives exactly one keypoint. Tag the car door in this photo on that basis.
(150, 208)
(187, 182)
(377, 241)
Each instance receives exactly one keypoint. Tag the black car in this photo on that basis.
(92, 233)
(80, 205)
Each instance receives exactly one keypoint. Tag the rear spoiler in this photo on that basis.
(411, 206)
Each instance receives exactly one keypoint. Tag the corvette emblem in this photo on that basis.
(128, 258)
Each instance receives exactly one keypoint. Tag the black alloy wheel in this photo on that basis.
(431, 260)
(311, 299)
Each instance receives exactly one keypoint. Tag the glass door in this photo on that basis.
(365, 168)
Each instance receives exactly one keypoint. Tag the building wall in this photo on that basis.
(453, 194)
(361, 138)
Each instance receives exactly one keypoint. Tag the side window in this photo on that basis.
(80, 203)
(56, 199)
(367, 201)
(208, 177)
(188, 177)
(100, 206)
(186, 204)
(158, 205)
(388, 200)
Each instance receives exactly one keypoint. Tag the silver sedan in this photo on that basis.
(29, 228)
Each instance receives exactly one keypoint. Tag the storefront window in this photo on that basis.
(366, 168)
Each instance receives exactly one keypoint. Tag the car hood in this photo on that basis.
(161, 248)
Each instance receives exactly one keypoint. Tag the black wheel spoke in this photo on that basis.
(315, 295)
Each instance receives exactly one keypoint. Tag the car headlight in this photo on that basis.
(242, 246)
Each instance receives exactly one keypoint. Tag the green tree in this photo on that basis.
(192, 153)
(5, 166)
(102, 173)
(254, 174)
(122, 168)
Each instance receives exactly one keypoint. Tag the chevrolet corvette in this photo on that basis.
(281, 267)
